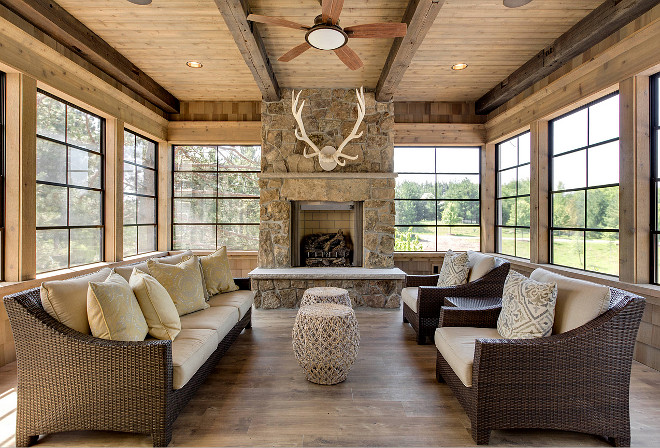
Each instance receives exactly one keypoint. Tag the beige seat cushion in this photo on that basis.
(114, 312)
(190, 350)
(157, 306)
(216, 271)
(456, 345)
(409, 296)
(479, 264)
(66, 300)
(126, 271)
(183, 282)
(221, 319)
(578, 301)
(241, 299)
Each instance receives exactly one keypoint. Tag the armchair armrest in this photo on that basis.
(462, 317)
(421, 280)
(243, 283)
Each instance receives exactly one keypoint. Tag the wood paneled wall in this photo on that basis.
(218, 111)
(436, 112)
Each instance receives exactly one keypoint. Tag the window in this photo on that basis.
(70, 183)
(2, 173)
(655, 175)
(437, 198)
(140, 194)
(584, 187)
(512, 215)
(216, 197)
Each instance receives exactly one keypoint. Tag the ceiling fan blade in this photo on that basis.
(349, 57)
(294, 52)
(330, 10)
(277, 21)
(383, 30)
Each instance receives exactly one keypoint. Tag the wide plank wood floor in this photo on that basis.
(258, 396)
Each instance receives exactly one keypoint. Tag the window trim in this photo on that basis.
(436, 200)
(654, 126)
(3, 152)
(217, 171)
(140, 195)
(516, 196)
(102, 154)
(551, 191)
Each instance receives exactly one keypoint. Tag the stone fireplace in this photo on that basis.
(289, 179)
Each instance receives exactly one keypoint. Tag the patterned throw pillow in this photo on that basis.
(114, 312)
(183, 282)
(528, 308)
(216, 271)
(454, 269)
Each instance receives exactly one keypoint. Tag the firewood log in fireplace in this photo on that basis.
(327, 249)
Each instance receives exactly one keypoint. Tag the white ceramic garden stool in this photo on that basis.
(326, 339)
(326, 295)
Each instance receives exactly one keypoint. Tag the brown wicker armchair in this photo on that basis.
(431, 298)
(69, 381)
(574, 381)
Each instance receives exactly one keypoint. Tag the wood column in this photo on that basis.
(21, 187)
(539, 195)
(634, 180)
(488, 181)
(165, 163)
(114, 190)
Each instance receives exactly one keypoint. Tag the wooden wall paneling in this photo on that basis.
(539, 195)
(436, 112)
(439, 134)
(218, 111)
(227, 132)
(635, 177)
(165, 161)
(21, 165)
(114, 190)
(488, 205)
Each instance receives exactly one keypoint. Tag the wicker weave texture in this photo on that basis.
(326, 340)
(326, 295)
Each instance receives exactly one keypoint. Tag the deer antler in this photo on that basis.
(353, 135)
(300, 130)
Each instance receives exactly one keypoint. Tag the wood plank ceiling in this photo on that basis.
(491, 39)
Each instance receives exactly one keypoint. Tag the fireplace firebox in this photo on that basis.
(325, 233)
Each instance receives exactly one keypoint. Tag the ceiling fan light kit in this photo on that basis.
(326, 37)
(140, 2)
(515, 3)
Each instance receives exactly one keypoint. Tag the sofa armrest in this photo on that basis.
(243, 283)
(421, 280)
(451, 316)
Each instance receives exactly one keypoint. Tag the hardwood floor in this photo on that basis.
(258, 396)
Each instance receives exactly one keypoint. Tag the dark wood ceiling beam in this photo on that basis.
(419, 17)
(251, 45)
(600, 23)
(55, 21)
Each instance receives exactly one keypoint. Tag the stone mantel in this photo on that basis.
(328, 273)
(338, 176)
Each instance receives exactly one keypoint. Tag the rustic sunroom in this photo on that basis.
(329, 222)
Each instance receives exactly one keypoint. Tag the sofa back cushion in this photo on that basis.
(578, 301)
(183, 282)
(66, 300)
(114, 312)
(126, 270)
(479, 264)
(157, 306)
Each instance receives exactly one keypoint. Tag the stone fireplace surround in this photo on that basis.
(286, 175)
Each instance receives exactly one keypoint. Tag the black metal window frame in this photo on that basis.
(137, 195)
(216, 198)
(3, 147)
(436, 200)
(655, 177)
(498, 197)
(68, 186)
(551, 156)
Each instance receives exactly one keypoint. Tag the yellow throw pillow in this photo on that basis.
(66, 300)
(157, 306)
(217, 274)
(114, 312)
(183, 282)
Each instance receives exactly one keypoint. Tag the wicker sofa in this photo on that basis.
(71, 381)
(422, 299)
(577, 380)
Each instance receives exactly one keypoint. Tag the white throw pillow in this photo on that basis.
(528, 308)
(454, 269)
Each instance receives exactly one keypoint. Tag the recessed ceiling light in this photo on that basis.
(194, 64)
(460, 66)
(140, 2)
(515, 3)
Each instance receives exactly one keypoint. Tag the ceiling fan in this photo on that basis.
(326, 34)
